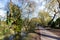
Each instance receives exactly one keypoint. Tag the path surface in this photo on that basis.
(47, 35)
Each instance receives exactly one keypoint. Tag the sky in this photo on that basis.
(3, 8)
(40, 5)
(3, 5)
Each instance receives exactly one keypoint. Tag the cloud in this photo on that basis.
(1, 5)
(2, 13)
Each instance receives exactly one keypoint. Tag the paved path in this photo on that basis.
(47, 35)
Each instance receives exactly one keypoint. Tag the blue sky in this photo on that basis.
(3, 4)
(39, 6)
(2, 8)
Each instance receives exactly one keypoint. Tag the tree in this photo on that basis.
(15, 21)
(57, 23)
(14, 13)
(0, 20)
(44, 17)
(53, 8)
(59, 3)
(29, 10)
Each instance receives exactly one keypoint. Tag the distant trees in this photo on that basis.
(53, 9)
(44, 17)
(56, 24)
(26, 12)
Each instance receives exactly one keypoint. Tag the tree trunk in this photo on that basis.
(59, 3)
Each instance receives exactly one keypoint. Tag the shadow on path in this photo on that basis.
(51, 36)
